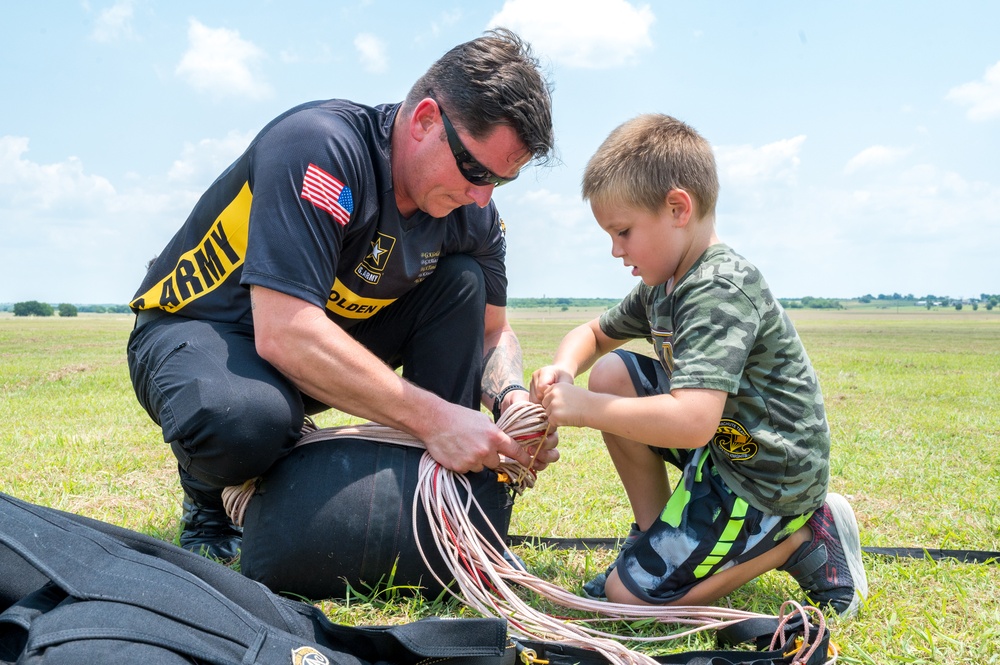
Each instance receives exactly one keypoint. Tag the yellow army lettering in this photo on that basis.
(201, 269)
(199, 272)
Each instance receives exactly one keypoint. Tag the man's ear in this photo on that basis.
(423, 119)
(679, 206)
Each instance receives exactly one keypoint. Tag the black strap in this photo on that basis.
(561, 654)
(499, 398)
(965, 556)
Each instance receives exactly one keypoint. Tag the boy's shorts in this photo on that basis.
(704, 528)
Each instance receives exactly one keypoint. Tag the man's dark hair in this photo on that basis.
(489, 81)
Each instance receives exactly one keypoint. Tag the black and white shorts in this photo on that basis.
(705, 528)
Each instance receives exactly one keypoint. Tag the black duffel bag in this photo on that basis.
(75, 591)
(338, 513)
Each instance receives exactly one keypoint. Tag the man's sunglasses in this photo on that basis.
(468, 165)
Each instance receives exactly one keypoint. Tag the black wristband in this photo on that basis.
(503, 393)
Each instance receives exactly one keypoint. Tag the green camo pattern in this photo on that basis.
(722, 329)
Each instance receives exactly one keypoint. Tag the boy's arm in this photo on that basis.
(683, 418)
(577, 352)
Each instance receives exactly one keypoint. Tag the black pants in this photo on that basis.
(228, 414)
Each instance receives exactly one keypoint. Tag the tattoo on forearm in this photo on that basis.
(501, 367)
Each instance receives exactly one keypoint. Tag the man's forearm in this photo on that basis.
(502, 367)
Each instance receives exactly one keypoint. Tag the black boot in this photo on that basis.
(205, 527)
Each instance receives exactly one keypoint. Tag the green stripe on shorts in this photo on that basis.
(726, 540)
(674, 510)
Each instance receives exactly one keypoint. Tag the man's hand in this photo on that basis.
(467, 440)
(548, 452)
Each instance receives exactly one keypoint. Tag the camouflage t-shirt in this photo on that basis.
(720, 328)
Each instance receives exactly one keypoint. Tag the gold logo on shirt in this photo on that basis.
(371, 268)
(734, 440)
(665, 349)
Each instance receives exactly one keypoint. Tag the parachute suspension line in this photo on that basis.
(484, 577)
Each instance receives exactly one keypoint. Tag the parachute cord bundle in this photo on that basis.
(483, 576)
(523, 422)
(484, 580)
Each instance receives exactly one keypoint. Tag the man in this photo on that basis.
(345, 242)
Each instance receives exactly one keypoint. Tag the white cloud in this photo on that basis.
(63, 185)
(585, 34)
(221, 62)
(876, 155)
(93, 237)
(555, 247)
(921, 230)
(982, 97)
(372, 53)
(201, 162)
(114, 23)
(747, 165)
(560, 210)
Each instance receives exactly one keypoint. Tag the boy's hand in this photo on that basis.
(566, 404)
(545, 377)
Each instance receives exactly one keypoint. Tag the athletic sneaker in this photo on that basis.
(829, 567)
(594, 589)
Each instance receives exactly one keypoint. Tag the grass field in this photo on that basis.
(913, 399)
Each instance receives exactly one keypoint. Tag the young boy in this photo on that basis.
(733, 401)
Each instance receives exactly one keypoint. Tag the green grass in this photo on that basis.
(913, 399)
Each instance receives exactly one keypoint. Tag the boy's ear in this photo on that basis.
(679, 206)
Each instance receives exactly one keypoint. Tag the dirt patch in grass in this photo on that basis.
(69, 370)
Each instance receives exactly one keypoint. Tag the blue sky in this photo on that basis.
(857, 142)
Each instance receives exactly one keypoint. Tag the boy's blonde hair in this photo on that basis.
(646, 157)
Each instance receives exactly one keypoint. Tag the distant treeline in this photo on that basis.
(933, 300)
(35, 308)
(989, 301)
(986, 300)
(883, 300)
(105, 309)
(808, 302)
(524, 303)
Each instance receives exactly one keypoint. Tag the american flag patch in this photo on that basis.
(327, 193)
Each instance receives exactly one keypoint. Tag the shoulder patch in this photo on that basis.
(734, 440)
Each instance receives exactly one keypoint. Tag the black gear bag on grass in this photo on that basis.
(338, 512)
(75, 591)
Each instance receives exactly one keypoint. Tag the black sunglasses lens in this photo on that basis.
(479, 176)
(468, 165)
